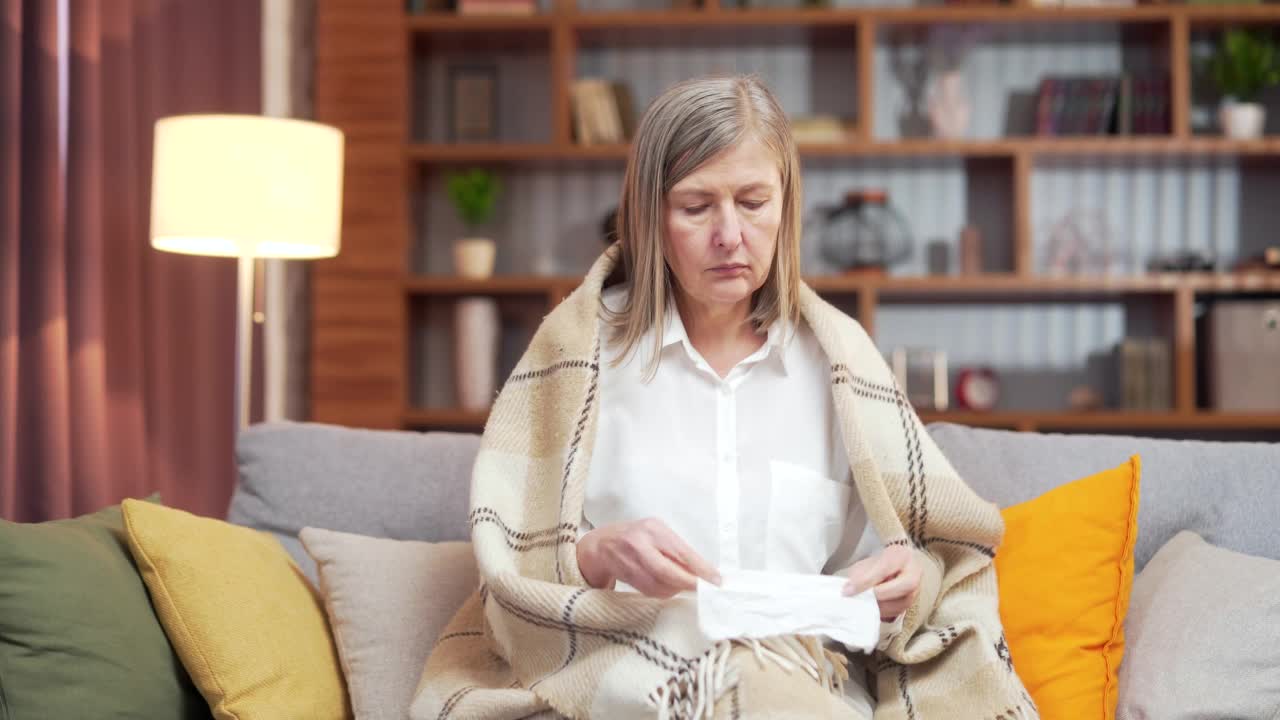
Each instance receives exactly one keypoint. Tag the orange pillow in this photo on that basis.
(1065, 569)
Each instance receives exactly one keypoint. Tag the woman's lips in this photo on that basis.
(729, 270)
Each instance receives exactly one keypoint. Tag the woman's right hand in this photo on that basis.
(645, 554)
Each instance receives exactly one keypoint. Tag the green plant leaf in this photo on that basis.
(474, 194)
(1245, 64)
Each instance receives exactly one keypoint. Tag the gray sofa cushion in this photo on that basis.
(391, 484)
(1228, 493)
(1202, 637)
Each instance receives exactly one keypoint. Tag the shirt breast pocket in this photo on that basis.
(807, 512)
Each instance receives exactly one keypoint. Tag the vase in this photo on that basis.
(949, 109)
(1242, 121)
(476, 330)
(473, 257)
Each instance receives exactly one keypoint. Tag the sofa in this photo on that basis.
(413, 486)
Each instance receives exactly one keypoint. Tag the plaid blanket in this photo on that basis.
(536, 641)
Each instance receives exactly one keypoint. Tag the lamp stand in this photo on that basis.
(244, 340)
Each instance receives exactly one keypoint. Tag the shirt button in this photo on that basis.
(726, 390)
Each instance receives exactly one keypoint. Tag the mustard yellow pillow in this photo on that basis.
(247, 626)
(1064, 570)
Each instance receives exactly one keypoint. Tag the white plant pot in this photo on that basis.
(1242, 121)
(473, 257)
(476, 331)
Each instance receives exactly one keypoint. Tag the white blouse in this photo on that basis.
(749, 469)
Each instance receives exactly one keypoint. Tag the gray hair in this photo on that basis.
(687, 125)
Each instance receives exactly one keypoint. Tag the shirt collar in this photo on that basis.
(775, 345)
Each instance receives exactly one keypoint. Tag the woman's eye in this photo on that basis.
(753, 204)
(695, 210)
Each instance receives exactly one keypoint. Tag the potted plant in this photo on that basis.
(1245, 64)
(474, 194)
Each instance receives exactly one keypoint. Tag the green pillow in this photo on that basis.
(78, 636)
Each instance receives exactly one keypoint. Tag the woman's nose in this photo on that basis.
(728, 227)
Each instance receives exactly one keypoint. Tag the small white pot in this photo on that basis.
(473, 257)
(1242, 121)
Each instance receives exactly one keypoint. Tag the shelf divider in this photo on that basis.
(1184, 350)
(866, 79)
(1023, 247)
(1180, 74)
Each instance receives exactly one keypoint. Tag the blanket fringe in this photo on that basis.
(692, 693)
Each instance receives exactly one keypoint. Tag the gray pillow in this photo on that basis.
(380, 483)
(387, 602)
(1202, 636)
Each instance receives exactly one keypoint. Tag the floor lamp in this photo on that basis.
(247, 187)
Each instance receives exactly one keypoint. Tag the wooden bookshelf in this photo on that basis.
(448, 418)
(426, 153)
(1202, 15)
(366, 54)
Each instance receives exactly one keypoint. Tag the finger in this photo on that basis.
(890, 611)
(667, 573)
(858, 573)
(674, 547)
(635, 572)
(899, 587)
(868, 573)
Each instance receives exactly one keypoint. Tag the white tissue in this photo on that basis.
(756, 604)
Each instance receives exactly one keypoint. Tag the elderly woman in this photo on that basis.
(694, 408)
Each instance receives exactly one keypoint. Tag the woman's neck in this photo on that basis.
(722, 334)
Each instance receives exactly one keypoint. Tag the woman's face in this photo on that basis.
(722, 225)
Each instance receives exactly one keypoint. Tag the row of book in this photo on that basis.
(1144, 374)
(1128, 104)
(603, 111)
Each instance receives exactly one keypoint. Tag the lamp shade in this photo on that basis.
(244, 185)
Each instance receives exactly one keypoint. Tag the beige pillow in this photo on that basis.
(387, 602)
(1203, 636)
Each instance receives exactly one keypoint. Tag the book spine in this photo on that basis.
(1160, 374)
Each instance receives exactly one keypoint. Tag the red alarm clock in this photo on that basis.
(977, 389)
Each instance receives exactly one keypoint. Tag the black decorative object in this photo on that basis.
(865, 233)
(1184, 261)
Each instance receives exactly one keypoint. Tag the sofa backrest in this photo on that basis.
(392, 484)
(415, 486)
(1227, 492)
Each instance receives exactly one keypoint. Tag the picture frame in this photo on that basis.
(921, 373)
(472, 106)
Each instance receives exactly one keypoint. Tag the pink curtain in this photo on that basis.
(116, 360)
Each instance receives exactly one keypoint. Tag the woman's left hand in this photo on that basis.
(894, 573)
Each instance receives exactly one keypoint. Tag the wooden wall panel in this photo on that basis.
(358, 305)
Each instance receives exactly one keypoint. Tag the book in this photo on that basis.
(1123, 123)
(583, 124)
(626, 109)
(602, 110)
(1159, 368)
(818, 129)
(1098, 105)
(610, 119)
(1130, 364)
